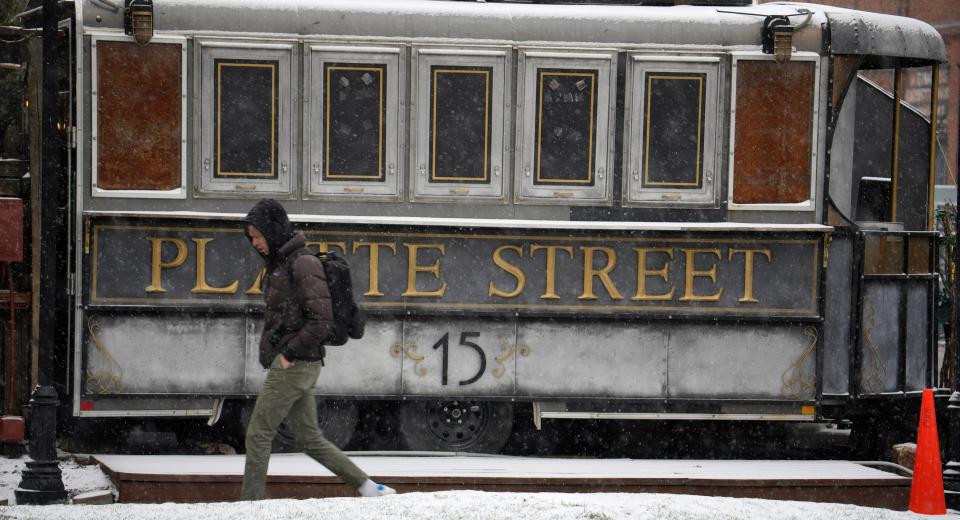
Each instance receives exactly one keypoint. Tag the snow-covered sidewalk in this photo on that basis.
(458, 505)
(473, 505)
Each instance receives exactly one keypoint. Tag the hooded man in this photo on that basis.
(297, 320)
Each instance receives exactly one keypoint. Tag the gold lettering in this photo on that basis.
(643, 273)
(413, 268)
(510, 268)
(589, 272)
(748, 271)
(157, 263)
(692, 274)
(202, 286)
(551, 274)
(255, 288)
(374, 289)
(324, 247)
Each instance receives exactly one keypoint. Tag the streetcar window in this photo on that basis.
(351, 126)
(671, 131)
(567, 102)
(773, 135)
(245, 118)
(458, 123)
(137, 152)
(353, 122)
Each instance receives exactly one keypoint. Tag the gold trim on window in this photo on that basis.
(273, 119)
(486, 127)
(593, 78)
(646, 134)
(326, 116)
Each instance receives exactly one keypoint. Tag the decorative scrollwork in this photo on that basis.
(509, 350)
(872, 380)
(409, 351)
(524, 349)
(108, 377)
(796, 383)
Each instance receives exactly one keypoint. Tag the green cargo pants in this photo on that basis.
(288, 393)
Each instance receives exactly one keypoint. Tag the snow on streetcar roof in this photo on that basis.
(852, 32)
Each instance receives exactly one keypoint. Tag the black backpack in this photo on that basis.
(348, 319)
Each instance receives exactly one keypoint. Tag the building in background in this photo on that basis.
(943, 15)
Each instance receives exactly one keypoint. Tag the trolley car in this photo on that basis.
(682, 212)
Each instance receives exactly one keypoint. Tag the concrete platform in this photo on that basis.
(214, 478)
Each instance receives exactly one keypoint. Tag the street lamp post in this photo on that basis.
(42, 482)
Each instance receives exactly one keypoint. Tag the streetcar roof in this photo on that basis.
(853, 32)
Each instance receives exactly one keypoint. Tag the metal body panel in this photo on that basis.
(917, 369)
(838, 308)
(878, 341)
(167, 354)
(608, 360)
(736, 361)
(459, 357)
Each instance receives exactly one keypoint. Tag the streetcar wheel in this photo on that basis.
(455, 425)
(336, 419)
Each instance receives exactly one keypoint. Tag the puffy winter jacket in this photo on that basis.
(299, 314)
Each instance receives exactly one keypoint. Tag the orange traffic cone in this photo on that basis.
(926, 491)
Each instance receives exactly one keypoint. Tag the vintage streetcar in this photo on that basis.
(632, 212)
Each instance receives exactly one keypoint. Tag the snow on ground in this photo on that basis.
(473, 505)
(77, 478)
(452, 505)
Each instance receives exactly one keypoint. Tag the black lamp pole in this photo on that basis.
(42, 482)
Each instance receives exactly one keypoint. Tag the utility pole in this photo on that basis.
(42, 482)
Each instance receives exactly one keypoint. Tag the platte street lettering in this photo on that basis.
(616, 274)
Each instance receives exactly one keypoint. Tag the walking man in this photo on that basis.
(297, 321)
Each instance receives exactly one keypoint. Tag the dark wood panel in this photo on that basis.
(138, 116)
(773, 138)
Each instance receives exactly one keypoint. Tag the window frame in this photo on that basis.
(810, 204)
(95, 190)
(424, 58)
(206, 53)
(316, 55)
(634, 193)
(529, 61)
